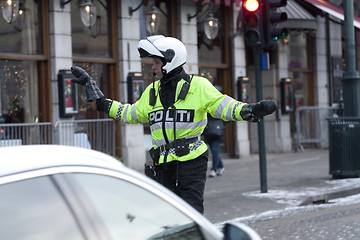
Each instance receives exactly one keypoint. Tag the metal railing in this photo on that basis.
(312, 124)
(97, 134)
(25, 134)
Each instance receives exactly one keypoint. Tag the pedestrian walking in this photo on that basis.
(176, 106)
(214, 136)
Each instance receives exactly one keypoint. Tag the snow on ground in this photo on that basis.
(294, 197)
(289, 211)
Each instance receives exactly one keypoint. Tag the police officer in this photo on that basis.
(176, 107)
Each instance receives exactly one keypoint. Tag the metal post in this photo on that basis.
(261, 132)
(351, 83)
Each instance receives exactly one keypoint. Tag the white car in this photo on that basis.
(60, 192)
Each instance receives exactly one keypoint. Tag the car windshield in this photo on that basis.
(34, 209)
(131, 212)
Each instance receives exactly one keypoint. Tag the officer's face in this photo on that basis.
(156, 67)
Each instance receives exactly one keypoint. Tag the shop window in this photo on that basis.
(93, 41)
(19, 91)
(163, 26)
(300, 58)
(92, 51)
(19, 79)
(214, 58)
(297, 51)
(210, 51)
(299, 69)
(23, 35)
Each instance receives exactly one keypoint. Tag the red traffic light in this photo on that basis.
(252, 14)
(251, 5)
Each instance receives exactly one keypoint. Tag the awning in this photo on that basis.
(332, 9)
(298, 17)
(226, 2)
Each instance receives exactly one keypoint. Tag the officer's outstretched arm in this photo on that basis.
(253, 112)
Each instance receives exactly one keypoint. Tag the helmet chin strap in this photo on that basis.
(163, 72)
(162, 69)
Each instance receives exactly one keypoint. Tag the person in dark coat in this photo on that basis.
(214, 135)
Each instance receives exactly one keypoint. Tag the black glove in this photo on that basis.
(83, 78)
(254, 111)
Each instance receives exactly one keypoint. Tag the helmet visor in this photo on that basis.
(147, 49)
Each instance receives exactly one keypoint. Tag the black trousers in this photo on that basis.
(186, 179)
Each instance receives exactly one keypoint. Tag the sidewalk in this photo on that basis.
(293, 179)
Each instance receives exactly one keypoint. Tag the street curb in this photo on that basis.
(324, 198)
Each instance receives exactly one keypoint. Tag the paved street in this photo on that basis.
(293, 179)
(334, 221)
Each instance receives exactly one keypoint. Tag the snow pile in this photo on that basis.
(296, 196)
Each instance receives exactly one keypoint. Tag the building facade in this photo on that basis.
(51, 36)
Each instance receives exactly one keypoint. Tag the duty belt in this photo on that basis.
(181, 147)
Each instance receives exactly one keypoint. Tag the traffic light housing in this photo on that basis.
(271, 19)
(252, 19)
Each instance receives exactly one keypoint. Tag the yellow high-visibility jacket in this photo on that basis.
(190, 120)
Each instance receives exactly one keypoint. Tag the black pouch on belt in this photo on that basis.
(181, 147)
(154, 154)
(150, 171)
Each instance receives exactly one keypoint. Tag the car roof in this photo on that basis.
(30, 157)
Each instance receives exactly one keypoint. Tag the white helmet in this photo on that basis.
(171, 50)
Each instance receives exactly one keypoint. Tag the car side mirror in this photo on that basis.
(239, 231)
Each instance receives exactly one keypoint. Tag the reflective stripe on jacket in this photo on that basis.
(189, 116)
